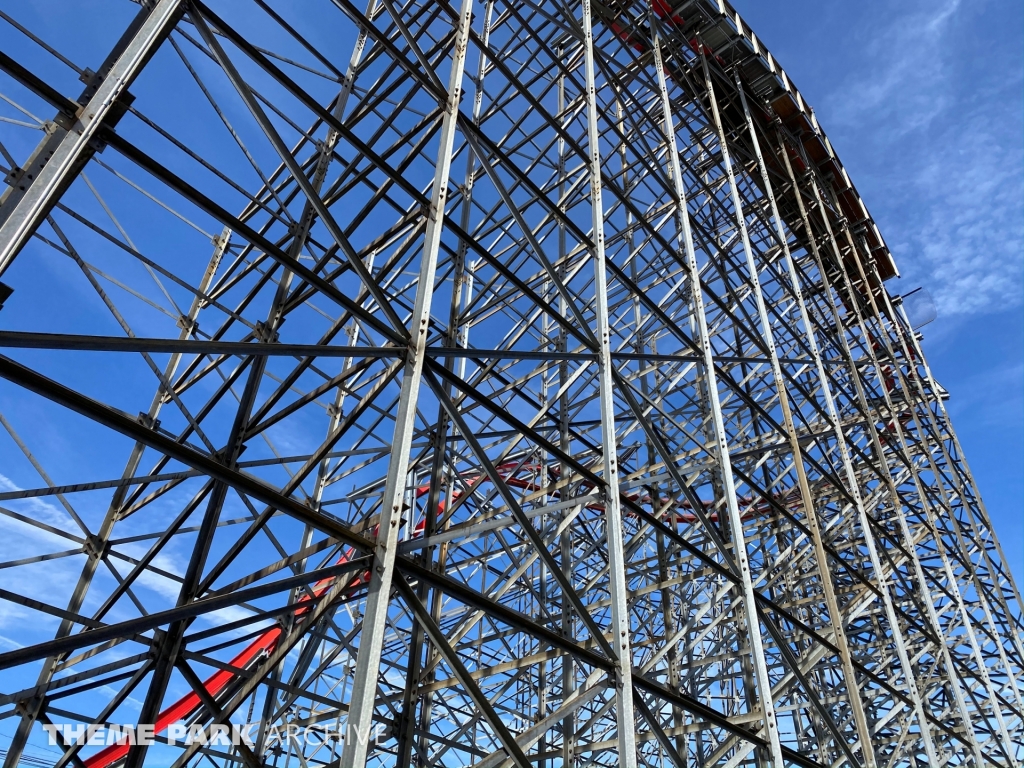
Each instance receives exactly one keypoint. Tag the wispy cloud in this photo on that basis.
(932, 126)
(19, 540)
(40, 510)
(968, 244)
(56, 578)
(905, 63)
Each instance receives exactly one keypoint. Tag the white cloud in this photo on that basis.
(904, 66)
(19, 540)
(54, 579)
(6, 641)
(40, 510)
(966, 245)
(932, 140)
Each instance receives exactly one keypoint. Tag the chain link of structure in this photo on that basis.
(478, 384)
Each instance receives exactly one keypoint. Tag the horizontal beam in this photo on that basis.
(83, 343)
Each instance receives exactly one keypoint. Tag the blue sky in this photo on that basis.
(922, 99)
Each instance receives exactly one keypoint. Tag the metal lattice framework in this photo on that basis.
(515, 385)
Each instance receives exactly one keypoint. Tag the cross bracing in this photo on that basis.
(489, 384)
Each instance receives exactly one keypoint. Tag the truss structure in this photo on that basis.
(503, 383)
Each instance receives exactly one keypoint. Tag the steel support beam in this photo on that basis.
(621, 625)
(375, 617)
(24, 207)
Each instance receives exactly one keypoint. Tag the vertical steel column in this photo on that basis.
(364, 687)
(931, 522)
(853, 690)
(912, 354)
(456, 335)
(954, 681)
(300, 236)
(721, 448)
(854, 486)
(640, 345)
(954, 678)
(956, 526)
(78, 143)
(788, 422)
(565, 545)
(982, 511)
(620, 629)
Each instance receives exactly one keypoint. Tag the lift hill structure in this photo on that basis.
(516, 382)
